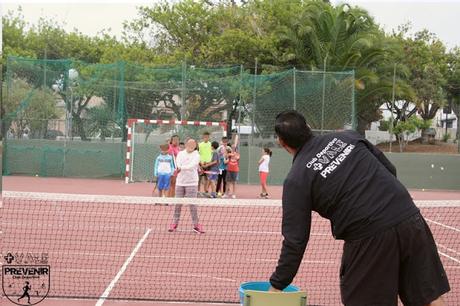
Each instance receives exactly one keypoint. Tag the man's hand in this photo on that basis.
(273, 289)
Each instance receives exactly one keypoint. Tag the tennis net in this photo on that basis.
(115, 247)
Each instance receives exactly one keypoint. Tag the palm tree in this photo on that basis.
(339, 38)
(100, 122)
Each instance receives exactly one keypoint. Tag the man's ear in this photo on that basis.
(281, 142)
(285, 146)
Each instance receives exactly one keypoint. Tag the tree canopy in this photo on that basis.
(306, 34)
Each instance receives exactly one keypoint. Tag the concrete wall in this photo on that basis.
(375, 137)
(45, 158)
(415, 170)
(427, 171)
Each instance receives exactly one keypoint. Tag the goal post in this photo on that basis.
(146, 135)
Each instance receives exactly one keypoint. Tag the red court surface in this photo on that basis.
(240, 244)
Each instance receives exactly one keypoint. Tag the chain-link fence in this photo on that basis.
(68, 118)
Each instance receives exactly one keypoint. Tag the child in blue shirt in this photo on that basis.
(164, 169)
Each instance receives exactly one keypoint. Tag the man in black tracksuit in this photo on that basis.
(388, 249)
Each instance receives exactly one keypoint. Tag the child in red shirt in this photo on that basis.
(233, 169)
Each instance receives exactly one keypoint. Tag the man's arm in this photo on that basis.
(296, 231)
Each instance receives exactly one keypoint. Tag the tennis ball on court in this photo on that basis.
(423, 189)
(432, 165)
(442, 168)
(36, 174)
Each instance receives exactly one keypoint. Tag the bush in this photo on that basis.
(446, 137)
(384, 125)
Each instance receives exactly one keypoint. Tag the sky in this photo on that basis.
(440, 17)
(91, 17)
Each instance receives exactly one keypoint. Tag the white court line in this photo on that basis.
(443, 225)
(448, 249)
(122, 270)
(451, 258)
(197, 276)
(451, 228)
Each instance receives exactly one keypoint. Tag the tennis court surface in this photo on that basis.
(116, 250)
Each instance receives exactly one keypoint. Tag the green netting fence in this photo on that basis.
(68, 118)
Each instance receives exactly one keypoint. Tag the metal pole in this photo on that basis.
(324, 94)
(294, 89)
(133, 140)
(67, 131)
(238, 131)
(182, 108)
(71, 112)
(63, 157)
(354, 122)
(46, 56)
(446, 124)
(392, 106)
(458, 126)
(254, 104)
(253, 119)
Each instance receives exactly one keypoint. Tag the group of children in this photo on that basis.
(207, 169)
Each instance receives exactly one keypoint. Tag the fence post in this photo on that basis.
(238, 122)
(324, 94)
(392, 106)
(294, 88)
(458, 125)
(122, 111)
(183, 90)
(354, 121)
(254, 108)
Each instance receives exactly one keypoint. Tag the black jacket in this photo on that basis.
(345, 179)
